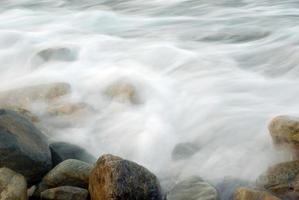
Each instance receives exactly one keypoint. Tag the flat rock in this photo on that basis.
(114, 178)
(183, 151)
(65, 193)
(250, 194)
(23, 148)
(192, 188)
(13, 186)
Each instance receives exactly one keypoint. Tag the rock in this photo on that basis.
(57, 54)
(13, 186)
(62, 151)
(227, 186)
(193, 188)
(285, 132)
(67, 108)
(65, 193)
(23, 148)
(67, 173)
(184, 150)
(281, 178)
(25, 96)
(117, 179)
(123, 92)
(250, 194)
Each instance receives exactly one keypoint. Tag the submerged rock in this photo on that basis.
(25, 96)
(117, 179)
(250, 194)
(285, 132)
(123, 92)
(67, 173)
(62, 151)
(65, 193)
(23, 148)
(192, 188)
(13, 186)
(184, 150)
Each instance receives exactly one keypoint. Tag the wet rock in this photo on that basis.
(116, 178)
(13, 186)
(250, 194)
(65, 193)
(184, 150)
(228, 185)
(62, 151)
(123, 92)
(67, 108)
(285, 132)
(70, 172)
(25, 96)
(23, 148)
(192, 188)
(62, 54)
(281, 178)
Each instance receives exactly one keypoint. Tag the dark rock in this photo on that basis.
(13, 186)
(65, 193)
(62, 151)
(184, 150)
(67, 173)
(193, 188)
(23, 148)
(117, 179)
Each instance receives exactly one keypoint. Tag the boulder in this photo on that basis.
(281, 178)
(70, 172)
(183, 151)
(13, 186)
(284, 131)
(65, 193)
(23, 148)
(25, 96)
(114, 178)
(192, 188)
(250, 194)
(62, 151)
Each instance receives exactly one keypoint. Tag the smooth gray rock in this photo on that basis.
(62, 151)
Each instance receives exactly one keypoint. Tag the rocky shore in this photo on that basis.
(33, 166)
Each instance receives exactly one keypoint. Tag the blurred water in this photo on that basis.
(208, 72)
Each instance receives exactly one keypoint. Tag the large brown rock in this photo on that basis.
(114, 178)
(65, 193)
(23, 148)
(13, 186)
(70, 172)
(192, 188)
(285, 132)
(250, 194)
(281, 179)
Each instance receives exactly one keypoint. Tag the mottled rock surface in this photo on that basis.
(65, 193)
(114, 178)
(250, 194)
(23, 148)
(13, 186)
